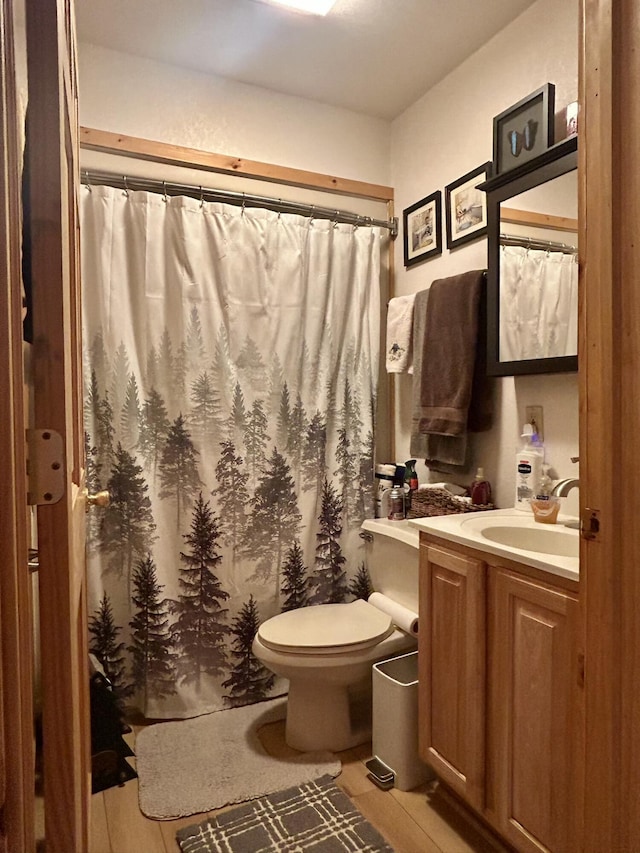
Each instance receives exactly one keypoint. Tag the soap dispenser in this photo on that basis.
(528, 468)
(544, 504)
(545, 485)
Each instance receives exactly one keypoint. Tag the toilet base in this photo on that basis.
(324, 716)
(329, 706)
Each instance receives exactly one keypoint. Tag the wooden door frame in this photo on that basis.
(54, 179)
(16, 636)
(609, 352)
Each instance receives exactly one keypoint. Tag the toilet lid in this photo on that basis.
(326, 628)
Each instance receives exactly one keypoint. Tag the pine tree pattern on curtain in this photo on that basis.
(231, 361)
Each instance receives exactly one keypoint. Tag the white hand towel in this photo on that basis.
(399, 334)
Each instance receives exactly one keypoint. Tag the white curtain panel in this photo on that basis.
(231, 362)
(538, 304)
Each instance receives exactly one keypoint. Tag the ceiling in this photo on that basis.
(373, 56)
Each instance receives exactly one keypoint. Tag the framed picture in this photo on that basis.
(571, 114)
(422, 229)
(466, 208)
(525, 130)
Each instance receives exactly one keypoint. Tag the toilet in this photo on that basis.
(327, 651)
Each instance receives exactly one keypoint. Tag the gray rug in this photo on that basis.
(193, 766)
(316, 816)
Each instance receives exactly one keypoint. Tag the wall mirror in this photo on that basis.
(532, 288)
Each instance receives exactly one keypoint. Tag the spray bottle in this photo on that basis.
(411, 480)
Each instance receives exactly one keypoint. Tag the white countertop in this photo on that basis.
(466, 529)
(402, 531)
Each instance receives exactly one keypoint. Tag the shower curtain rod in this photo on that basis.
(276, 204)
(530, 243)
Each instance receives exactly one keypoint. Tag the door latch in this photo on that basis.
(590, 523)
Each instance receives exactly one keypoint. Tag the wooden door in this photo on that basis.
(54, 178)
(451, 656)
(16, 704)
(609, 359)
(533, 699)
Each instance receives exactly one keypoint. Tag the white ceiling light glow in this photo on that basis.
(314, 7)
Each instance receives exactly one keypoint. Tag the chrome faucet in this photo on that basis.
(562, 488)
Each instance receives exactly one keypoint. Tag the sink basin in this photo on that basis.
(512, 534)
(540, 539)
(523, 534)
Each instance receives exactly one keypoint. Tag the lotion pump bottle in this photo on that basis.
(528, 468)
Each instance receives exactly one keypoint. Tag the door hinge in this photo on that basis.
(45, 467)
(590, 523)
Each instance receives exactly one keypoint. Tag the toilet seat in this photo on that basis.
(326, 629)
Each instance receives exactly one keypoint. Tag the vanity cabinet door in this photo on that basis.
(532, 701)
(452, 669)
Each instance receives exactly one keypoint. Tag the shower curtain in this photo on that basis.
(231, 360)
(538, 303)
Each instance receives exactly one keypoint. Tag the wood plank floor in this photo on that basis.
(418, 821)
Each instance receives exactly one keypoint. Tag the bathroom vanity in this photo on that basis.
(499, 670)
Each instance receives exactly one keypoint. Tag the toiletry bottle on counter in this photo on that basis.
(411, 480)
(528, 468)
(480, 489)
(396, 503)
(384, 476)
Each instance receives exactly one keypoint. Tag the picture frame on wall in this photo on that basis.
(466, 207)
(423, 229)
(525, 130)
(571, 116)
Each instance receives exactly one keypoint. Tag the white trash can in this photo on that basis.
(395, 761)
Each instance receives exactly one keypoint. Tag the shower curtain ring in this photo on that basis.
(335, 219)
(165, 197)
(280, 209)
(126, 187)
(88, 180)
(201, 198)
(242, 208)
(313, 210)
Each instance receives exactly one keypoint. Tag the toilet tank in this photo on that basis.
(391, 558)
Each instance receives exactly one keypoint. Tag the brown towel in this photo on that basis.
(447, 453)
(440, 452)
(418, 444)
(449, 354)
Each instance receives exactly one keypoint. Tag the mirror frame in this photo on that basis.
(555, 161)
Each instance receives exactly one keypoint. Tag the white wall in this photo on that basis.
(447, 133)
(140, 97)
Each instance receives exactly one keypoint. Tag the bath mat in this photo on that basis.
(197, 765)
(316, 816)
